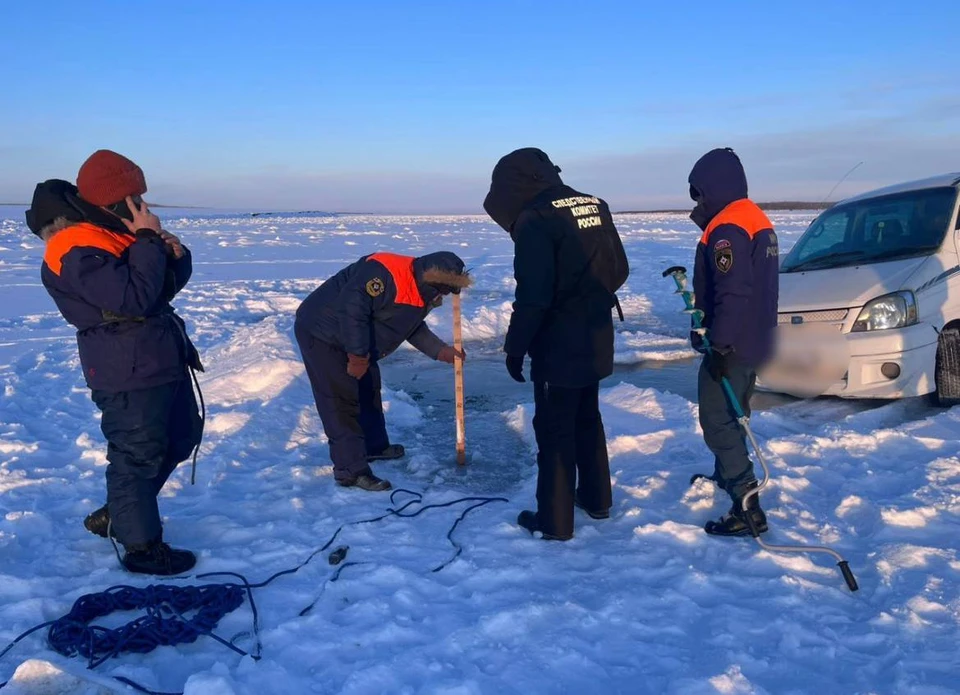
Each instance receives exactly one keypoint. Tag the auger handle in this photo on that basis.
(674, 269)
(848, 575)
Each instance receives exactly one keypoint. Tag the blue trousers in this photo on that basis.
(733, 469)
(351, 410)
(149, 432)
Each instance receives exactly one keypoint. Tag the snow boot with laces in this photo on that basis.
(738, 522)
(366, 481)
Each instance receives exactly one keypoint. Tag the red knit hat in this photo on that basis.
(107, 178)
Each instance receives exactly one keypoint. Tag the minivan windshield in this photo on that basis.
(885, 228)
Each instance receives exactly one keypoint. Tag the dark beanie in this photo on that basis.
(107, 178)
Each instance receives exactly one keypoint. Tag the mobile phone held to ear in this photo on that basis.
(123, 210)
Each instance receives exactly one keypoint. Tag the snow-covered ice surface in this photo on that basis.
(644, 602)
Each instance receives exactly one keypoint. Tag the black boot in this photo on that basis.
(98, 522)
(158, 558)
(529, 521)
(394, 451)
(366, 481)
(737, 522)
(592, 513)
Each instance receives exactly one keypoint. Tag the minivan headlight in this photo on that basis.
(889, 311)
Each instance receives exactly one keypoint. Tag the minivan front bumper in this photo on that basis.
(912, 350)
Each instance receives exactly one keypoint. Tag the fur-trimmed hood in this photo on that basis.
(57, 205)
(58, 225)
(443, 271)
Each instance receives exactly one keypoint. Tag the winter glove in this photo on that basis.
(718, 363)
(357, 366)
(696, 342)
(449, 354)
(515, 367)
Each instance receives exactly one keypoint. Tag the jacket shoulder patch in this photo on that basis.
(723, 256)
(375, 287)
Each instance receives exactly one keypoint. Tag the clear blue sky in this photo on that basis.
(406, 106)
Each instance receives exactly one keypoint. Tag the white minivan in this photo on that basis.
(879, 275)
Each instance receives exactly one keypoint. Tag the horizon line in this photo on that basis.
(781, 205)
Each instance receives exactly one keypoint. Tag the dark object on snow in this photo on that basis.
(338, 555)
(529, 521)
(366, 481)
(736, 272)
(148, 432)
(740, 522)
(159, 559)
(391, 453)
(98, 522)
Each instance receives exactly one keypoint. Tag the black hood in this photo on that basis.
(717, 179)
(56, 199)
(440, 272)
(517, 179)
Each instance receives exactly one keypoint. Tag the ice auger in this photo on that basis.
(679, 275)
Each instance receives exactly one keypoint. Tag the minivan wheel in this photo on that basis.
(947, 373)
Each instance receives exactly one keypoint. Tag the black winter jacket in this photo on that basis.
(568, 263)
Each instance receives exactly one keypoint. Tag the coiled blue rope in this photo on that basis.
(181, 614)
(165, 622)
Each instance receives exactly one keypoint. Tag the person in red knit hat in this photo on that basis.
(113, 271)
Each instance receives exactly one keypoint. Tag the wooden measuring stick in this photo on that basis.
(458, 383)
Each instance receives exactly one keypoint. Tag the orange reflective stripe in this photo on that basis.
(401, 270)
(743, 213)
(83, 235)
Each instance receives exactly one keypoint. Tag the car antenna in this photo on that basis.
(842, 179)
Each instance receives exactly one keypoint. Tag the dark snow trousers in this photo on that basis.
(733, 469)
(572, 456)
(148, 432)
(351, 410)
